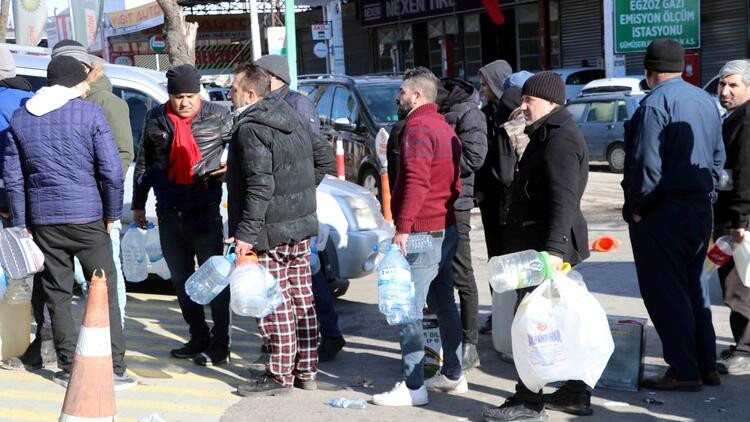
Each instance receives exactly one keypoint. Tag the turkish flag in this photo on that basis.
(493, 9)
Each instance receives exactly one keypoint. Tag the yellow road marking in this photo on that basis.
(27, 415)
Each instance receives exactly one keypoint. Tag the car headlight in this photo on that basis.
(362, 213)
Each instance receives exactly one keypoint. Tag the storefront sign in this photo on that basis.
(320, 49)
(321, 32)
(157, 43)
(135, 19)
(221, 56)
(123, 59)
(638, 22)
(381, 12)
(276, 38)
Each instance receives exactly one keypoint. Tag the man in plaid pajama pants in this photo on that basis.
(275, 163)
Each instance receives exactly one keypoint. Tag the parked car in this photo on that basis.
(631, 84)
(351, 212)
(576, 77)
(601, 119)
(354, 109)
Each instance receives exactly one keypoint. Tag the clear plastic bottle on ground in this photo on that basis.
(347, 403)
(153, 243)
(19, 291)
(396, 296)
(209, 279)
(134, 265)
(255, 292)
(518, 270)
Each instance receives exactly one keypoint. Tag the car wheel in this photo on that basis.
(338, 287)
(370, 180)
(616, 158)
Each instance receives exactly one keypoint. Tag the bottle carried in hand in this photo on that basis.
(519, 270)
(132, 246)
(153, 243)
(396, 295)
(210, 279)
(255, 291)
(718, 254)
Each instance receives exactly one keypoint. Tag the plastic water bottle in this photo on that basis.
(210, 279)
(161, 269)
(396, 296)
(19, 291)
(314, 259)
(518, 270)
(416, 243)
(134, 265)
(726, 181)
(3, 282)
(153, 243)
(343, 403)
(255, 292)
(719, 254)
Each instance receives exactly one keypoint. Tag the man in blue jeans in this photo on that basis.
(427, 185)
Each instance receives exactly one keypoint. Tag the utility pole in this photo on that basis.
(255, 29)
(609, 39)
(336, 56)
(291, 42)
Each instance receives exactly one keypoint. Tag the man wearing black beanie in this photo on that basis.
(673, 155)
(180, 158)
(544, 214)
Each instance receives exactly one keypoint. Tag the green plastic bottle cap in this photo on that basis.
(544, 256)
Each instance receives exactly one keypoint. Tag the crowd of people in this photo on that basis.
(521, 159)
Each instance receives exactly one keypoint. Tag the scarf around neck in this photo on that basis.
(185, 152)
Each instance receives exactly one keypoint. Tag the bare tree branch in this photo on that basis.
(180, 34)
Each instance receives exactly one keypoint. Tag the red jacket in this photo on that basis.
(428, 181)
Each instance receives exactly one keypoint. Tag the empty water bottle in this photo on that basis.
(418, 243)
(210, 279)
(314, 259)
(347, 404)
(19, 291)
(134, 265)
(255, 291)
(396, 296)
(153, 243)
(161, 269)
(518, 270)
(718, 254)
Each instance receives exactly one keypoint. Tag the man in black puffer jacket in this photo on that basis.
(275, 164)
(458, 102)
(179, 157)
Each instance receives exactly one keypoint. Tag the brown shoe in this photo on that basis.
(668, 383)
(711, 378)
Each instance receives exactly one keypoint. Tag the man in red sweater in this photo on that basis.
(426, 187)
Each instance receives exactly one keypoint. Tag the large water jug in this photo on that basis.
(153, 243)
(161, 269)
(19, 291)
(396, 296)
(134, 265)
(210, 279)
(255, 292)
(518, 270)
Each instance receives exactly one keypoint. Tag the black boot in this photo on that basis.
(329, 348)
(191, 349)
(215, 354)
(571, 398)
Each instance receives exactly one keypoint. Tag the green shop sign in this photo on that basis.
(638, 22)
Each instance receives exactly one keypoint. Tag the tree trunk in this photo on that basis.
(180, 34)
(4, 11)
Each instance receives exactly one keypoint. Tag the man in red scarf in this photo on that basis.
(180, 158)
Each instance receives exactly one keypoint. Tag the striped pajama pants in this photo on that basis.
(291, 332)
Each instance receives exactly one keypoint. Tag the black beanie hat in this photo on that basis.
(65, 71)
(547, 86)
(664, 55)
(183, 79)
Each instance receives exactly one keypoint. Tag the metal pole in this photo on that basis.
(255, 30)
(291, 42)
(336, 51)
(609, 52)
(158, 68)
(72, 22)
(329, 61)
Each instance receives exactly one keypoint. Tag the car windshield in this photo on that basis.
(381, 101)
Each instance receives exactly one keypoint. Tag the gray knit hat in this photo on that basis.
(7, 64)
(73, 49)
(275, 64)
(547, 86)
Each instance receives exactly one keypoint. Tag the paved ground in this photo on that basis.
(180, 391)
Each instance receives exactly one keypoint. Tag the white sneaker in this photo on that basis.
(401, 395)
(440, 382)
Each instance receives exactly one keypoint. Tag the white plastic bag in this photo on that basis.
(560, 333)
(741, 257)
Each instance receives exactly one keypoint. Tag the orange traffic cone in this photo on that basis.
(604, 244)
(91, 393)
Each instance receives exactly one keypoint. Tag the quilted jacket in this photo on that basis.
(60, 162)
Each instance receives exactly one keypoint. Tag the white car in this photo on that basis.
(351, 212)
(576, 77)
(627, 84)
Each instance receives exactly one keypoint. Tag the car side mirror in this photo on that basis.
(343, 123)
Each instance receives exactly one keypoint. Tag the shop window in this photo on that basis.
(527, 30)
(395, 48)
